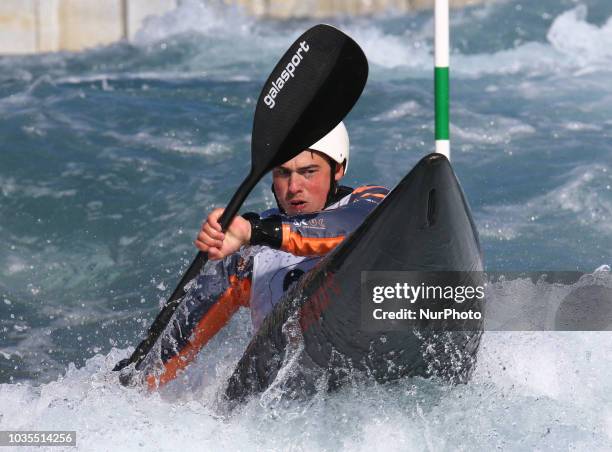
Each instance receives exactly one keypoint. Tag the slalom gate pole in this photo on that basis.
(441, 77)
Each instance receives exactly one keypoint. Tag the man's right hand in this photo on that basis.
(218, 245)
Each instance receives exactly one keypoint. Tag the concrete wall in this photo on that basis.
(18, 25)
(47, 15)
(30, 26)
(84, 23)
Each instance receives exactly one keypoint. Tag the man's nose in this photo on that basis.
(295, 184)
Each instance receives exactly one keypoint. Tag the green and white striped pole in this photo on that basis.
(441, 77)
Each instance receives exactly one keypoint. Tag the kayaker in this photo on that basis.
(261, 256)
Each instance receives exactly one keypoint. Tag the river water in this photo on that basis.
(110, 159)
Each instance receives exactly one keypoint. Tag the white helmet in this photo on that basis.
(335, 145)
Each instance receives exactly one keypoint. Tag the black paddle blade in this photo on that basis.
(311, 89)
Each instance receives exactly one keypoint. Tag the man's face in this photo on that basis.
(302, 183)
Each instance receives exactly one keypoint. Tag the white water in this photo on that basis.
(530, 390)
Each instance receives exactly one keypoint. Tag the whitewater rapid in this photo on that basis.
(111, 158)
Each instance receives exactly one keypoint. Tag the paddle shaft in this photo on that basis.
(164, 316)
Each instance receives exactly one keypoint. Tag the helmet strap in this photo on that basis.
(278, 204)
(333, 185)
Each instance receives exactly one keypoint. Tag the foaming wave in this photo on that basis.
(9, 186)
(212, 18)
(218, 40)
(557, 364)
(569, 366)
(488, 129)
(182, 142)
(584, 43)
(139, 76)
(218, 37)
(23, 99)
(409, 108)
(585, 197)
(573, 44)
(581, 126)
(392, 51)
(533, 57)
(542, 401)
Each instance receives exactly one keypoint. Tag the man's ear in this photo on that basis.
(339, 172)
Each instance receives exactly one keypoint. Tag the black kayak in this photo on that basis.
(313, 338)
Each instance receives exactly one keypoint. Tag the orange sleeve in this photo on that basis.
(318, 233)
(299, 245)
(236, 295)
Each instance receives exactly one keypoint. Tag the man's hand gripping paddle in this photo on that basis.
(311, 89)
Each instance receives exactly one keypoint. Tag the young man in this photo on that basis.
(314, 215)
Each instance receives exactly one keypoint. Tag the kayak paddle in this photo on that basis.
(311, 89)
